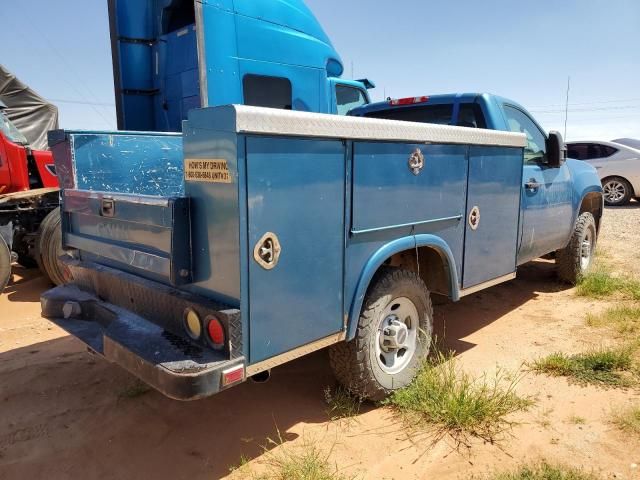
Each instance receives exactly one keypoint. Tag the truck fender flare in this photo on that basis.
(377, 259)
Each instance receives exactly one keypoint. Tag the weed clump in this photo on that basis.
(611, 367)
(446, 398)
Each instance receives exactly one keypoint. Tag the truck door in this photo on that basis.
(546, 193)
(493, 206)
(295, 193)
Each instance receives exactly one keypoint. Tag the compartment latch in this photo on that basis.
(108, 207)
(267, 251)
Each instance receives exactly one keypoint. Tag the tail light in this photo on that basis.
(215, 332)
(408, 100)
(192, 324)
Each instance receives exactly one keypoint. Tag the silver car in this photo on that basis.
(618, 166)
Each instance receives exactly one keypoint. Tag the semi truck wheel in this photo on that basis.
(49, 249)
(576, 258)
(5, 264)
(393, 336)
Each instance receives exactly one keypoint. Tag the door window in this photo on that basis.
(590, 151)
(348, 98)
(577, 151)
(263, 91)
(518, 121)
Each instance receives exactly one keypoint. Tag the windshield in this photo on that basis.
(10, 131)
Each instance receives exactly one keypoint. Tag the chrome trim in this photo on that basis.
(295, 353)
(133, 258)
(202, 58)
(402, 225)
(271, 121)
(490, 283)
(133, 197)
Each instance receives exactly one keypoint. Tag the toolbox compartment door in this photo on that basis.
(145, 235)
(295, 193)
(493, 200)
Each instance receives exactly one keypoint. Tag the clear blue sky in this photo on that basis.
(521, 50)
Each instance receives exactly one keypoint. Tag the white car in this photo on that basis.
(618, 166)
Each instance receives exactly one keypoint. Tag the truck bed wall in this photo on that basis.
(119, 162)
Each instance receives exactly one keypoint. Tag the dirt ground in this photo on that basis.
(66, 414)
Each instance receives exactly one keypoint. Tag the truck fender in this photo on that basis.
(381, 255)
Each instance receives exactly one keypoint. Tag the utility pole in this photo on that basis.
(566, 107)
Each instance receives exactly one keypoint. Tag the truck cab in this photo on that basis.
(171, 56)
(552, 194)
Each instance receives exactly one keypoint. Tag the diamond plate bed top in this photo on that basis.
(271, 121)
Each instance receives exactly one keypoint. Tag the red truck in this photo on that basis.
(29, 194)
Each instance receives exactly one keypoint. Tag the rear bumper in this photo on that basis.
(174, 365)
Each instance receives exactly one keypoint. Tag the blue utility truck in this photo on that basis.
(262, 234)
(287, 232)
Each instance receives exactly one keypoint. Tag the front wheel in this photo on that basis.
(616, 191)
(576, 258)
(393, 336)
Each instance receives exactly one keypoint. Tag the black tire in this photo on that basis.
(570, 260)
(5, 264)
(49, 249)
(617, 191)
(356, 364)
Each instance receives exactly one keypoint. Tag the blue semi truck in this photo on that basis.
(263, 234)
(170, 56)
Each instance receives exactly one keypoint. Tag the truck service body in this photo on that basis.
(263, 234)
(552, 195)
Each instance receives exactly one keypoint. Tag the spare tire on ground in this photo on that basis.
(49, 249)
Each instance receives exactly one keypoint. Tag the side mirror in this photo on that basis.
(556, 149)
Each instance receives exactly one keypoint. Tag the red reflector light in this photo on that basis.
(215, 330)
(232, 375)
(408, 100)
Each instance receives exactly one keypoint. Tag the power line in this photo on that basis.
(81, 102)
(594, 109)
(620, 100)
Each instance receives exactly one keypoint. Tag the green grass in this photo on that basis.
(445, 398)
(545, 471)
(341, 404)
(625, 319)
(577, 420)
(306, 462)
(606, 366)
(628, 419)
(600, 283)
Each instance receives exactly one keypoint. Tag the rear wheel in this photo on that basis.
(576, 258)
(393, 336)
(5, 264)
(49, 249)
(617, 191)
